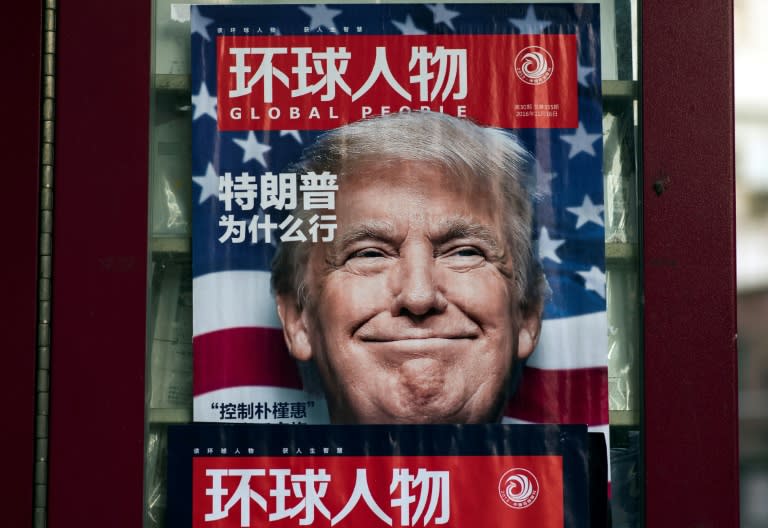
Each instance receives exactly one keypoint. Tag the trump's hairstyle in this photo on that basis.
(459, 147)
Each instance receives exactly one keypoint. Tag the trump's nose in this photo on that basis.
(416, 285)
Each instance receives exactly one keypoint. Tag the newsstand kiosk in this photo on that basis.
(100, 249)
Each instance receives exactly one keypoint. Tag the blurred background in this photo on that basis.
(751, 95)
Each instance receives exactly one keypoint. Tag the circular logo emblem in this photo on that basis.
(518, 488)
(534, 65)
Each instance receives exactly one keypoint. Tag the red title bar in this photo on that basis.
(305, 82)
(448, 491)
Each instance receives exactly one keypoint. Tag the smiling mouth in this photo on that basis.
(408, 338)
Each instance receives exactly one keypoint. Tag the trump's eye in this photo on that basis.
(465, 251)
(367, 260)
(367, 253)
(463, 257)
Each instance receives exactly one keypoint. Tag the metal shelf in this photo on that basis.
(170, 415)
(164, 244)
(620, 90)
(625, 418)
(620, 252)
(172, 82)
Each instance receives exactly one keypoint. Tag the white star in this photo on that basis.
(320, 15)
(588, 212)
(594, 280)
(253, 150)
(199, 23)
(204, 104)
(408, 27)
(530, 24)
(441, 13)
(583, 72)
(548, 246)
(209, 184)
(580, 141)
(542, 179)
(294, 134)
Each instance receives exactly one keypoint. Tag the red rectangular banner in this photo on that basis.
(373, 491)
(316, 82)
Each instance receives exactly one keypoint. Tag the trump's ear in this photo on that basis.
(528, 334)
(294, 328)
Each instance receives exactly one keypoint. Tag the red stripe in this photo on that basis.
(243, 356)
(562, 396)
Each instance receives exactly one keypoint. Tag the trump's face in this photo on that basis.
(413, 316)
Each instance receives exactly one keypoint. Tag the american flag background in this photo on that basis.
(242, 371)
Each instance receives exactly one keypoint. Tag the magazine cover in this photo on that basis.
(236, 476)
(398, 214)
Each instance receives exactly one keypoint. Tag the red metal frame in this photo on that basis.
(690, 427)
(100, 265)
(691, 418)
(20, 48)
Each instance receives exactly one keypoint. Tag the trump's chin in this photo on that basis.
(418, 390)
(420, 395)
(440, 410)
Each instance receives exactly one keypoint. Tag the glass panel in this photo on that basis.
(169, 361)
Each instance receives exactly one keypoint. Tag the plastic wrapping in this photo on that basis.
(171, 192)
(170, 359)
(171, 349)
(621, 256)
(155, 477)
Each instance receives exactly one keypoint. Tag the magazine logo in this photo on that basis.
(518, 488)
(534, 65)
(311, 82)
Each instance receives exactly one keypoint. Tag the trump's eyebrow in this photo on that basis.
(445, 231)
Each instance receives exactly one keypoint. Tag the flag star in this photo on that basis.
(594, 280)
(548, 246)
(252, 149)
(587, 212)
(209, 184)
(580, 141)
(320, 15)
(441, 13)
(543, 179)
(204, 104)
(583, 73)
(530, 24)
(408, 27)
(294, 134)
(200, 23)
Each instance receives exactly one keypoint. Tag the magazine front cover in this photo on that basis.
(398, 214)
(246, 475)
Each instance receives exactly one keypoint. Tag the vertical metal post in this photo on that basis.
(45, 268)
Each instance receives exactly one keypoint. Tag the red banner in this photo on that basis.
(311, 82)
(373, 491)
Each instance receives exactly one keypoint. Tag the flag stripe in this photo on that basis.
(232, 299)
(572, 343)
(243, 356)
(562, 396)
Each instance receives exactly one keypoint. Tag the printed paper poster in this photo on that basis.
(398, 214)
(243, 475)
